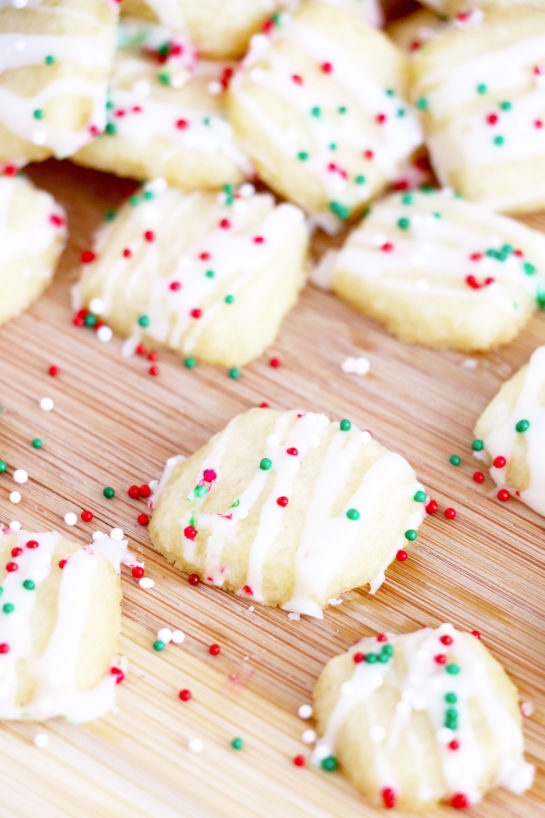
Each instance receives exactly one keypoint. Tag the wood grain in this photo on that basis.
(113, 424)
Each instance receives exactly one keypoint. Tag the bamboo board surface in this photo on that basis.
(114, 425)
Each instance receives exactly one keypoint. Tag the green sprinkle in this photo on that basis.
(108, 492)
(50, 59)
(451, 713)
(210, 274)
(190, 363)
(507, 248)
(452, 669)
(229, 299)
(529, 268)
(401, 112)
(407, 198)
(342, 109)
(345, 425)
(387, 650)
(234, 372)
(110, 215)
(506, 106)
(482, 88)
(3, 466)
(302, 156)
(143, 320)
(403, 224)
(477, 445)
(134, 200)
(339, 210)
(390, 92)
(332, 146)
(109, 105)
(164, 50)
(1, 590)
(29, 584)
(522, 425)
(419, 496)
(426, 189)
(8, 607)
(353, 514)
(38, 113)
(164, 79)
(451, 698)
(422, 104)
(237, 743)
(437, 215)
(200, 491)
(90, 320)
(158, 645)
(411, 535)
(235, 504)
(498, 140)
(37, 443)
(383, 658)
(110, 129)
(455, 460)
(329, 764)
(371, 658)
(265, 464)
(149, 194)
(360, 180)
(316, 111)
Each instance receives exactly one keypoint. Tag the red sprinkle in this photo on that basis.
(53, 370)
(32, 544)
(118, 673)
(264, 405)
(459, 801)
(503, 495)
(127, 253)
(153, 355)
(140, 349)
(175, 285)
(440, 659)
(214, 649)
(4, 647)
(209, 475)
(12, 566)
(87, 257)
(258, 240)
(142, 519)
(492, 119)
(137, 571)
(401, 556)
(499, 462)
(358, 657)
(16, 552)
(182, 124)
(86, 516)
(478, 476)
(190, 533)
(274, 362)
(326, 67)
(446, 639)
(381, 637)
(204, 256)
(388, 797)
(293, 451)
(184, 695)
(387, 247)
(368, 154)
(149, 235)
(134, 492)
(193, 579)
(454, 744)
(225, 224)
(144, 490)
(196, 313)
(299, 760)
(381, 118)
(153, 370)
(297, 79)
(476, 634)
(62, 563)
(431, 507)
(282, 501)
(450, 513)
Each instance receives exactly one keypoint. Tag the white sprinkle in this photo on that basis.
(46, 404)
(14, 497)
(178, 637)
(41, 740)
(377, 732)
(104, 334)
(15, 525)
(146, 583)
(246, 190)
(97, 535)
(39, 137)
(308, 737)
(356, 366)
(214, 87)
(96, 305)
(469, 363)
(305, 711)
(195, 745)
(116, 533)
(242, 513)
(20, 476)
(165, 635)
(157, 185)
(295, 616)
(526, 708)
(366, 437)
(70, 518)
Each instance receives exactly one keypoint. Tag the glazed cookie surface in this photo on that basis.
(421, 718)
(166, 115)
(55, 56)
(481, 93)
(288, 509)
(510, 434)
(208, 275)
(319, 107)
(441, 271)
(26, 267)
(59, 626)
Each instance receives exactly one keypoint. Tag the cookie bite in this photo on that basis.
(55, 56)
(27, 266)
(421, 718)
(166, 115)
(481, 93)
(208, 275)
(319, 106)
(438, 270)
(59, 625)
(510, 435)
(287, 508)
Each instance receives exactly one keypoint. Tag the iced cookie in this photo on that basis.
(288, 509)
(55, 56)
(421, 718)
(319, 106)
(32, 237)
(510, 434)
(411, 33)
(208, 275)
(166, 115)
(438, 270)
(481, 93)
(59, 624)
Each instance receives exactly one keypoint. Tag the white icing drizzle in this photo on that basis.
(54, 670)
(422, 689)
(91, 54)
(503, 437)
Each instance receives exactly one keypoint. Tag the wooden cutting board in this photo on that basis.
(114, 425)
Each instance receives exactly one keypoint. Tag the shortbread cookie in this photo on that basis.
(167, 115)
(287, 508)
(413, 32)
(32, 237)
(441, 271)
(510, 434)
(208, 275)
(319, 106)
(481, 92)
(55, 56)
(421, 718)
(59, 624)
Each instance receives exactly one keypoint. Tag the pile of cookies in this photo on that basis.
(250, 132)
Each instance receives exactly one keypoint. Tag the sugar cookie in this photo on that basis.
(167, 115)
(419, 718)
(287, 508)
(441, 271)
(209, 275)
(59, 624)
(481, 93)
(319, 107)
(55, 56)
(510, 434)
(26, 267)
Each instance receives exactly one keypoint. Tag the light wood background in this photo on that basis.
(115, 425)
